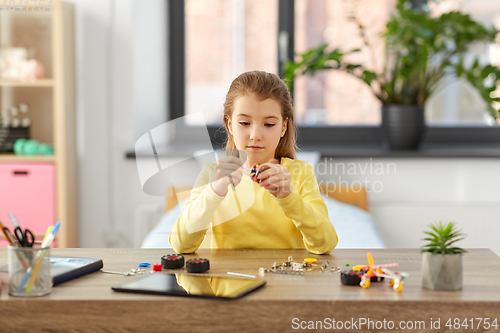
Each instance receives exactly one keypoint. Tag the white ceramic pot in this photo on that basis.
(442, 272)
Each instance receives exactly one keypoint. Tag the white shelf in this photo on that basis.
(18, 83)
(13, 158)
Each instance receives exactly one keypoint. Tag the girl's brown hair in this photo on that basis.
(264, 85)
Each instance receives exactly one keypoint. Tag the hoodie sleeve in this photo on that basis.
(306, 207)
(190, 228)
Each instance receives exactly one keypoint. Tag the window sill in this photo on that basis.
(362, 151)
(364, 141)
(425, 151)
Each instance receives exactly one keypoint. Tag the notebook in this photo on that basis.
(63, 269)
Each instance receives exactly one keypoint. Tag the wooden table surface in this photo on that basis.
(286, 301)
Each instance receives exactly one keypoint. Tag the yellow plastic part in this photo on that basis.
(310, 260)
(399, 288)
(391, 282)
(365, 283)
(370, 258)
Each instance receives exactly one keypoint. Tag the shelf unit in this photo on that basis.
(52, 100)
(37, 83)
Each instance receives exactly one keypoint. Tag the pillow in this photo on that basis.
(354, 226)
(158, 237)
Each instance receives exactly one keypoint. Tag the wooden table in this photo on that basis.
(89, 304)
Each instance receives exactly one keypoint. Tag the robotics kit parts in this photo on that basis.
(326, 268)
(197, 265)
(172, 261)
(297, 268)
(363, 275)
(351, 278)
(254, 173)
(132, 272)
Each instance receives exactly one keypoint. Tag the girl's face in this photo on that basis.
(257, 126)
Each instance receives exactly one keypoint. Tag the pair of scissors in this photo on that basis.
(25, 238)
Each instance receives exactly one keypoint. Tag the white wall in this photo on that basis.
(407, 194)
(120, 61)
(113, 38)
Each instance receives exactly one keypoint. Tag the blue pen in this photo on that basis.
(39, 256)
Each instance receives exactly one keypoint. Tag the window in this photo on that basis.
(211, 42)
(225, 38)
(458, 102)
(331, 97)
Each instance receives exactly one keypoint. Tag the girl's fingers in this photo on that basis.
(272, 180)
(275, 187)
(231, 170)
(229, 163)
(264, 167)
(259, 169)
(272, 188)
(267, 173)
(259, 172)
(237, 174)
(274, 170)
(231, 174)
(228, 167)
(232, 160)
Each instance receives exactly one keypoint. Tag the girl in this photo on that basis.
(279, 205)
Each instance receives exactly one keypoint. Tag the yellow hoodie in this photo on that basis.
(254, 218)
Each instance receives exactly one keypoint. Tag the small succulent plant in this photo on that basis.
(442, 237)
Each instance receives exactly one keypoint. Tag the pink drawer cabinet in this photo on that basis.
(28, 190)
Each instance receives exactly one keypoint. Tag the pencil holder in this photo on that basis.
(29, 271)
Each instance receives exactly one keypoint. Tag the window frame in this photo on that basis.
(310, 137)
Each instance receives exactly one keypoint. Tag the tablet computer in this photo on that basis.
(191, 286)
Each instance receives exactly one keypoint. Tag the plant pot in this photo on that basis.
(442, 272)
(403, 126)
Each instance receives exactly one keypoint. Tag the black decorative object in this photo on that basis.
(403, 126)
(9, 135)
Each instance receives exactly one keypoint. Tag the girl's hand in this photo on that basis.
(227, 170)
(275, 178)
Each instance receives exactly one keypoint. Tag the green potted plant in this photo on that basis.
(442, 260)
(420, 51)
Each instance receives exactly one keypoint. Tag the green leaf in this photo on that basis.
(444, 235)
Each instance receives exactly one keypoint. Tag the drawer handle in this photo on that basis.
(24, 173)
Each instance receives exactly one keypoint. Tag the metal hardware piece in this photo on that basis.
(132, 272)
(129, 273)
(298, 268)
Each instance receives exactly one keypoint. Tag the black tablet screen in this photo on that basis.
(188, 285)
